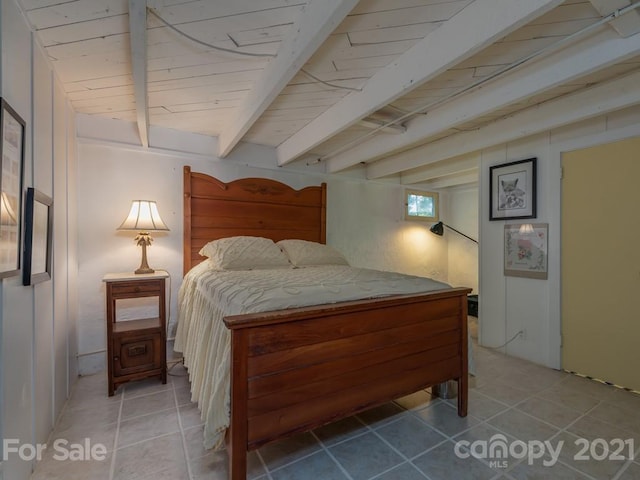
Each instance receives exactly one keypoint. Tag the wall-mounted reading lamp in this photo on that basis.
(438, 229)
(472, 301)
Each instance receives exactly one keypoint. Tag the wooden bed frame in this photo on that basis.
(297, 369)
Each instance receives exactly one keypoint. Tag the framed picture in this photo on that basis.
(513, 190)
(12, 129)
(525, 250)
(38, 231)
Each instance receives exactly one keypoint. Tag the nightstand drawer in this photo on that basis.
(136, 354)
(138, 288)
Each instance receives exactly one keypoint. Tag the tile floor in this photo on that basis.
(153, 431)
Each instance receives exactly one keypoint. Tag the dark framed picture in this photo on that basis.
(12, 129)
(513, 190)
(38, 231)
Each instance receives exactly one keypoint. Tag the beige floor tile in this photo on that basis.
(50, 469)
(149, 457)
(549, 411)
(89, 417)
(146, 427)
(410, 436)
(146, 404)
(183, 395)
(318, 466)
(157, 440)
(144, 387)
(569, 397)
(210, 467)
(444, 418)
(522, 426)
(442, 463)
(190, 415)
(632, 472)
(377, 455)
(194, 441)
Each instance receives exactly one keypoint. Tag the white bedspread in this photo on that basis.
(206, 296)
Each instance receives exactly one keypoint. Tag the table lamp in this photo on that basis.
(143, 218)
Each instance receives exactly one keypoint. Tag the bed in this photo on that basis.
(295, 369)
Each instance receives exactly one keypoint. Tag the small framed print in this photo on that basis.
(38, 231)
(12, 129)
(525, 250)
(513, 190)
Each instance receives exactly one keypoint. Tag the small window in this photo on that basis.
(421, 206)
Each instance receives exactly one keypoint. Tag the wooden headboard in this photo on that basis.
(250, 206)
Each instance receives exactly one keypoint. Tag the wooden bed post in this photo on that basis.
(323, 214)
(463, 381)
(186, 234)
(237, 438)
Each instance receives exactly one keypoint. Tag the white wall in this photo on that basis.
(364, 219)
(462, 208)
(36, 320)
(17, 301)
(509, 304)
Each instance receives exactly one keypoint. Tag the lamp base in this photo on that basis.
(144, 270)
(143, 239)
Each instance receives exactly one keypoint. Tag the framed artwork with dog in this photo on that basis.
(513, 190)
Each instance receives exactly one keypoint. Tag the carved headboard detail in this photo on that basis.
(251, 206)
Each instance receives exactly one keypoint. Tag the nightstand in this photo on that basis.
(136, 348)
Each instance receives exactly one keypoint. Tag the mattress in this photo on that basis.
(207, 296)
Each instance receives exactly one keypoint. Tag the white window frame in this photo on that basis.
(436, 206)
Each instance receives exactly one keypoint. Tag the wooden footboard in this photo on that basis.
(295, 370)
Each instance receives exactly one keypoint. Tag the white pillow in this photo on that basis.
(244, 253)
(302, 253)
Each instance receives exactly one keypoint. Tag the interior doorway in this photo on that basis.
(601, 262)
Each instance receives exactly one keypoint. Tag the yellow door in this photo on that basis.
(601, 262)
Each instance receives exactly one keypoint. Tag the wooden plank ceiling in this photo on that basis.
(331, 71)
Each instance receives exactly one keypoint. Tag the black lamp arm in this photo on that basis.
(459, 232)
